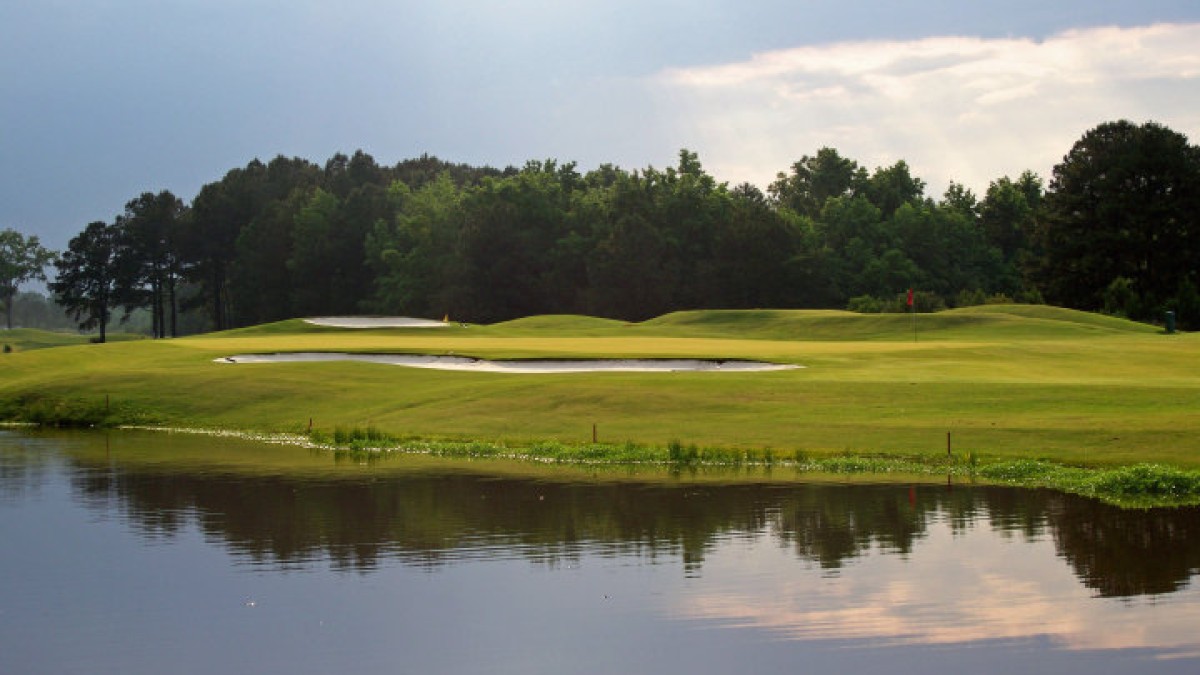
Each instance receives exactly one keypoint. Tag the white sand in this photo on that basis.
(462, 363)
(374, 322)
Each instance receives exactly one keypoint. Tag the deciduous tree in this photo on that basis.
(1123, 204)
(814, 180)
(21, 259)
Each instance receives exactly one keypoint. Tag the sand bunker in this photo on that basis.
(464, 363)
(374, 322)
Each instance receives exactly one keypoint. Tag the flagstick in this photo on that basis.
(912, 309)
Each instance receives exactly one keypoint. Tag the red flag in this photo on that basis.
(910, 297)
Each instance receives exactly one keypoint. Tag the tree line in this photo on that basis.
(1115, 230)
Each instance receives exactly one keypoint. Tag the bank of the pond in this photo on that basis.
(1011, 384)
(1133, 486)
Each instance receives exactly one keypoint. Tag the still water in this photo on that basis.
(155, 553)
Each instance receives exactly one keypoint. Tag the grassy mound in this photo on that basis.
(984, 322)
(561, 324)
(25, 339)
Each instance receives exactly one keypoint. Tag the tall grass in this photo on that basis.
(355, 437)
(1139, 485)
(71, 412)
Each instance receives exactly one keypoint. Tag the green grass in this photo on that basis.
(25, 339)
(1010, 383)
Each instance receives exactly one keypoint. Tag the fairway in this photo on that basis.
(1004, 381)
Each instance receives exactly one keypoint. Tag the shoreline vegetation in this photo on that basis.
(1140, 486)
(1033, 396)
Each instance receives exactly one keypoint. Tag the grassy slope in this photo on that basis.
(25, 339)
(1007, 381)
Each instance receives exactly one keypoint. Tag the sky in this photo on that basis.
(101, 100)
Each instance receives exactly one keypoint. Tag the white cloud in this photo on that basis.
(963, 108)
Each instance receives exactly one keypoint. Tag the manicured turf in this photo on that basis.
(25, 339)
(1005, 381)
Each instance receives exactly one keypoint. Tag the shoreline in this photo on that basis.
(1128, 486)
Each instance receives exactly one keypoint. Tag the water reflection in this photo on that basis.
(436, 514)
(891, 566)
(1123, 553)
(22, 466)
(964, 588)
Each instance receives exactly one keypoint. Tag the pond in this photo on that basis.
(140, 552)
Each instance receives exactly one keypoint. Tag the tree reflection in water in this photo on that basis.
(430, 519)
